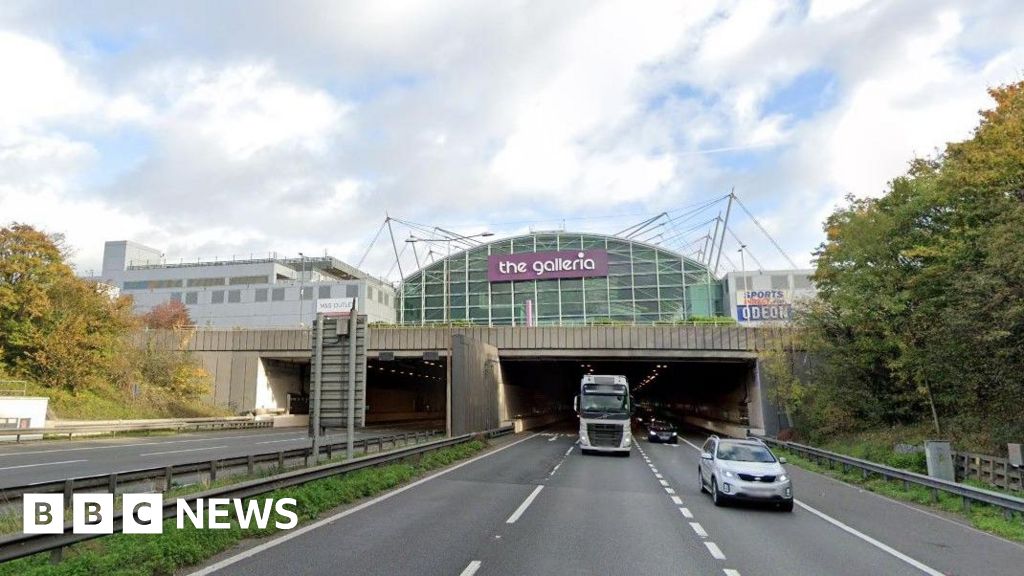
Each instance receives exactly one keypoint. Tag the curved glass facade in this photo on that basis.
(643, 284)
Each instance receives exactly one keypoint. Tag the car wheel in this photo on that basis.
(716, 496)
(786, 506)
(700, 480)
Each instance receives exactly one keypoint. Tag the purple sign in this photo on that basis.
(547, 265)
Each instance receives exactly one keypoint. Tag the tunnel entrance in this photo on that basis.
(406, 391)
(722, 395)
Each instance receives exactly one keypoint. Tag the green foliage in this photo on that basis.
(77, 344)
(920, 311)
(163, 554)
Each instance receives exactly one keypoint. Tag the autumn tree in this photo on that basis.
(170, 315)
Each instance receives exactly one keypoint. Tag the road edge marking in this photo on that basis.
(330, 519)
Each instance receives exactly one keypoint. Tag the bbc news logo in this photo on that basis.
(143, 513)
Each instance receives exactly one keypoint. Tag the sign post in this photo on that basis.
(350, 432)
(317, 380)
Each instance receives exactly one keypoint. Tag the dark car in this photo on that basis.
(662, 432)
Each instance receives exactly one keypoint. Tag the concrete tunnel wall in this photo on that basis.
(476, 386)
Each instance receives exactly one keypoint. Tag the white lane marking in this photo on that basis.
(285, 440)
(663, 483)
(295, 533)
(674, 445)
(473, 566)
(180, 451)
(567, 452)
(677, 500)
(669, 490)
(43, 464)
(685, 512)
(553, 438)
(555, 469)
(731, 572)
(658, 476)
(699, 529)
(522, 507)
(691, 444)
(716, 552)
(885, 548)
(212, 439)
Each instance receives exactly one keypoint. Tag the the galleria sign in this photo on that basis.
(547, 265)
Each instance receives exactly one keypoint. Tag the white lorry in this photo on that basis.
(604, 410)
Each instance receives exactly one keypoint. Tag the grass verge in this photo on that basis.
(981, 516)
(162, 554)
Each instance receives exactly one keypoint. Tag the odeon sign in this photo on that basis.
(547, 265)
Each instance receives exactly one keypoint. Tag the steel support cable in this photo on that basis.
(372, 243)
(745, 249)
(767, 235)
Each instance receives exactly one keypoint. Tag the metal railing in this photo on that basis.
(21, 545)
(163, 477)
(178, 425)
(969, 494)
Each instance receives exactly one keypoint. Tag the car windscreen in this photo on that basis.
(744, 453)
(604, 403)
(662, 427)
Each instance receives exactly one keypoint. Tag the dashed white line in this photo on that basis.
(716, 552)
(180, 451)
(570, 449)
(325, 521)
(685, 512)
(522, 507)
(276, 441)
(699, 529)
(555, 469)
(896, 553)
(677, 500)
(553, 438)
(669, 490)
(658, 476)
(731, 572)
(471, 569)
(42, 464)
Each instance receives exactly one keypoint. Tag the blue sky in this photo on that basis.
(212, 129)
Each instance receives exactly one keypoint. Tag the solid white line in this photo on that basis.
(677, 500)
(885, 548)
(695, 447)
(212, 439)
(686, 512)
(669, 490)
(522, 507)
(716, 552)
(471, 569)
(325, 521)
(180, 451)
(43, 464)
(699, 529)
(285, 440)
(731, 572)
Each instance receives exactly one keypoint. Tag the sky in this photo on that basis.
(233, 129)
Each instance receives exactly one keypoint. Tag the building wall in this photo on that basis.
(253, 294)
(767, 296)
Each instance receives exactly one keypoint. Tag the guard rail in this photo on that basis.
(21, 545)
(179, 425)
(1009, 504)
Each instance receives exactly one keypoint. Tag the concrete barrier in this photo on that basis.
(723, 428)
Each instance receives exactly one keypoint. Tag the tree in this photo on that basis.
(921, 291)
(170, 315)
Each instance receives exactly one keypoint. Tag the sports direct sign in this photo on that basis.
(763, 306)
(547, 265)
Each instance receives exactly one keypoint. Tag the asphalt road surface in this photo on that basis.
(537, 506)
(43, 461)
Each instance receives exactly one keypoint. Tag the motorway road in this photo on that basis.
(57, 460)
(537, 506)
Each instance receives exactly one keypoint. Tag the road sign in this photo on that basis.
(335, 306)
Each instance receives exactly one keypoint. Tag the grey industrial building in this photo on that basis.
(255, 293)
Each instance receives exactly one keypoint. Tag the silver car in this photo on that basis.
(744, 470)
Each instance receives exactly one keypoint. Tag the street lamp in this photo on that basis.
(301, 274)
(743, 270)
(447, 307)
